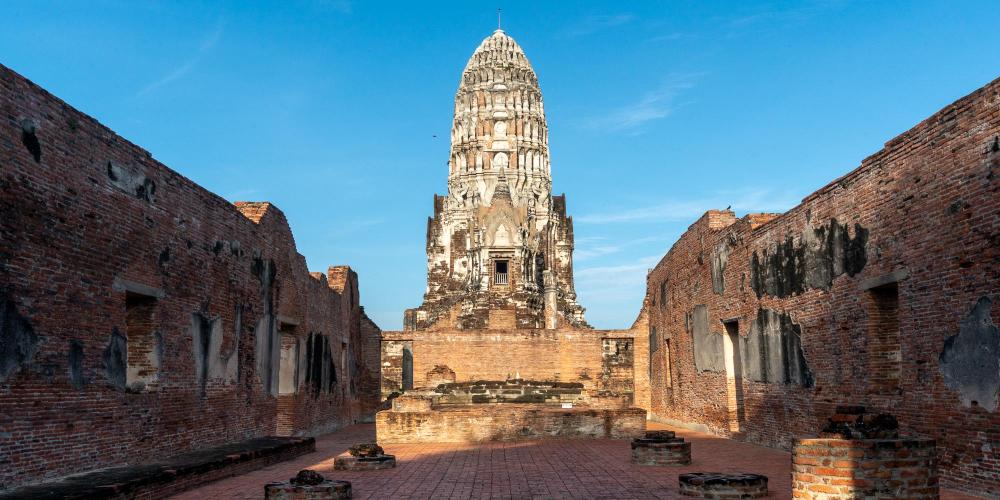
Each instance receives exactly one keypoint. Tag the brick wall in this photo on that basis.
(140, 313)
(602, 360)
(871, 468)
(878, 289)
(368, 379)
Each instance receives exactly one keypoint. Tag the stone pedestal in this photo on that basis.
(719, 485)
(347, 462)
(308, 485)
(860, 455)
(365, 456)
(660, 448)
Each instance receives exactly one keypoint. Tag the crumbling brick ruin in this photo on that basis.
(877, 290)
(142, 316)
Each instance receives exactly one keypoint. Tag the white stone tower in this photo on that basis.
(500, 246)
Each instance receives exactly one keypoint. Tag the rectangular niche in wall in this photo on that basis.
(883, 340)
(143, 341)
(288, 365)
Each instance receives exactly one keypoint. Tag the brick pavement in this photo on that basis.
(589, 469)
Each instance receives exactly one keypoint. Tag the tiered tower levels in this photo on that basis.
(499, 246)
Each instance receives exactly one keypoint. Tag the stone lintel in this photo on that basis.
(288, 320)
(124, 285)
(885, 279)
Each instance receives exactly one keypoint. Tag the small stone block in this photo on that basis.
(721, 485)
(319, 489)
(347, 462)
(663, 435)
(661, 451)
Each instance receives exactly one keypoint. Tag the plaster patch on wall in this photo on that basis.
(268, 342)
(116, 359)
(811, 261)
(75, 358)
(970, 360)
(720, 256)
(132, 181)
(708, 352)
(29, 138)
(772, 351)
(18, 341)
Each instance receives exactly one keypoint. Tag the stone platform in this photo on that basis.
(505, 422)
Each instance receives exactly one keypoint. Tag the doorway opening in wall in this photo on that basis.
(142, 342)
(734, 376)
(407, 368)
(667, 379)
(500, 272)
(288, 378)
(884, 354)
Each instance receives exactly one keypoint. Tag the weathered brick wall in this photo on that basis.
(368, 381)
(603, 360)
(509, 422)
(141, 315)
(876, 290)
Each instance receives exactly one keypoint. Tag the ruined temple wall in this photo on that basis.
(327, 393)
(140, 314)
(602, 360)
(878, 289)
(368, 381)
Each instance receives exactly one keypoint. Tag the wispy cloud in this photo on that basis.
(242, 194)
(600, 246)
(616, 276)
(184, 68)
(751, 200)
(592, 24)
(769, 15)
(670, 37)
(653, 105)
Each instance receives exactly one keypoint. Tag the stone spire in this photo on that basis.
(499, 246)
(499, 123)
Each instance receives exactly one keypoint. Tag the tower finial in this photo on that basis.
(498, 17)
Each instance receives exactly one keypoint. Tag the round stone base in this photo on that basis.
(720, 485)
(348, 462)
(660, 448)
(326, 490)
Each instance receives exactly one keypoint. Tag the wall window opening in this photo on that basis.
(500, 272)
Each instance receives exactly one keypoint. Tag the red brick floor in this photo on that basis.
(581, 468)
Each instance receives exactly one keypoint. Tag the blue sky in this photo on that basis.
(657, 111)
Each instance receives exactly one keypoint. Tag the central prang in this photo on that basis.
(500, 246)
